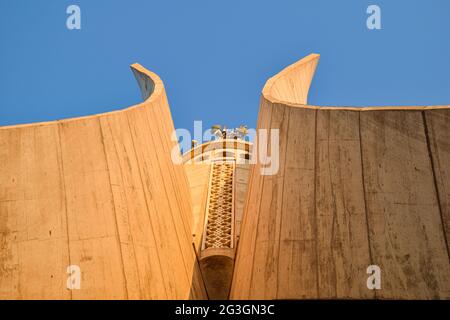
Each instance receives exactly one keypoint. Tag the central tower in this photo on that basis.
(218, 172)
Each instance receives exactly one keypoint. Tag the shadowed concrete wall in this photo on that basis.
(100, 192)
(356, 187)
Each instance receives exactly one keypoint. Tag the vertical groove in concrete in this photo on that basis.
(119, 244)
(361, 150)
(63, 181)
(316, 234)
(147, 206)
(436, 185)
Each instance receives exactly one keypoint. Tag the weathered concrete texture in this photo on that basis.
(356, 187)
(100, 192)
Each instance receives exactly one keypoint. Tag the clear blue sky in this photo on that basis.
(214, 56)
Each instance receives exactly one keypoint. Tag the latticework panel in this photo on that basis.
(219, 226)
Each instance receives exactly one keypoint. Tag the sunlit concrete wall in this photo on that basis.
(100, 192)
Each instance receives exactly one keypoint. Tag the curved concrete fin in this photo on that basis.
(145, 82)
(98, 196)
(291, 85)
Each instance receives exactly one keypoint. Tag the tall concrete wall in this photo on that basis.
(100, 192)
(356, 187)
